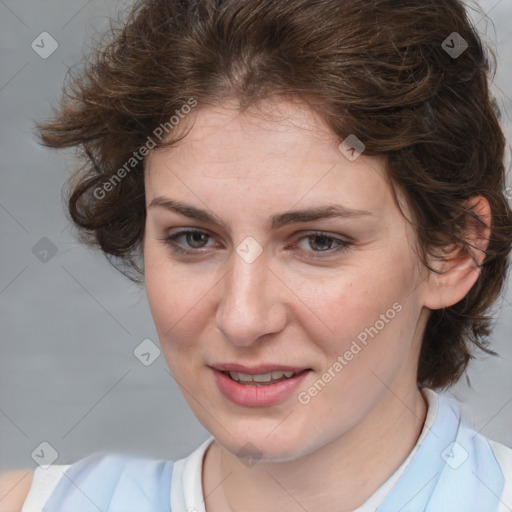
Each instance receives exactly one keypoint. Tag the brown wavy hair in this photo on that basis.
(373, 68)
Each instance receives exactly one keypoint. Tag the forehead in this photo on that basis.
(277, 152)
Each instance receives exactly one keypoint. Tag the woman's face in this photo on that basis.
(338, 299)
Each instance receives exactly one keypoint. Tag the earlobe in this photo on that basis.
(460, 267)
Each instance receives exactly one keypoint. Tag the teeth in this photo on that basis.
(261, 377)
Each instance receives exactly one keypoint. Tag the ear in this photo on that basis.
(458, 270)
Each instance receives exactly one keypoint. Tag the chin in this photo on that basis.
(252, 447)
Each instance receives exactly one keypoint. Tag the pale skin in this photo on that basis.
(335, 451)
(212, 306)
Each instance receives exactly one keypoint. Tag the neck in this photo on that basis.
(347, 471)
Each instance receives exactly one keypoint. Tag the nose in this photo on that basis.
(251, 306)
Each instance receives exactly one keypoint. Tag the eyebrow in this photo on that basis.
(276, 221)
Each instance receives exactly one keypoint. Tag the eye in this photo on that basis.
(196, 239)
(323, 243)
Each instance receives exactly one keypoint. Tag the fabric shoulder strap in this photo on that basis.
(503, 455)
(454, 469)
(109, 482)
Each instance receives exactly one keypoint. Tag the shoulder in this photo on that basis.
(467, 453)
(14, 487)
(492, 466)
(108, 481)
(503, 455)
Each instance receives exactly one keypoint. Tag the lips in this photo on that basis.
(256, 394)
(257, 369)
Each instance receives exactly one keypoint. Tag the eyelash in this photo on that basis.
(170, 241)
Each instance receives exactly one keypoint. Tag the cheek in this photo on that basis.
(367, 351)
(366, 316)
(169, 306)
(177, 297)
(164, 291)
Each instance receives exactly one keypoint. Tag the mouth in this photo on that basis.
(258, 386)
(262, 379)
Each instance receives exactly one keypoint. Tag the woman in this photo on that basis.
(313, 195)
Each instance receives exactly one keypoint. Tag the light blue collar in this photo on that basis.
(454, 470)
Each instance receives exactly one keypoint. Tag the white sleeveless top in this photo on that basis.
(185, 487)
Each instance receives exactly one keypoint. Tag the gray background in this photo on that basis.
(69, 326)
